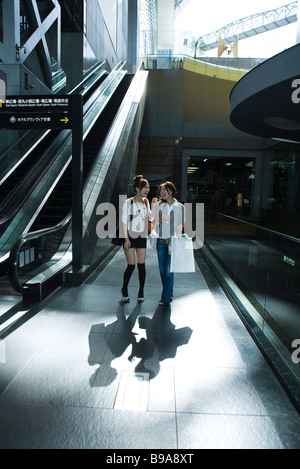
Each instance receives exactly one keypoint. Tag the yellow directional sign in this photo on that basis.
(1, 102)
(65, 120)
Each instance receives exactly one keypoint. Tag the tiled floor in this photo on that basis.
(197, 380)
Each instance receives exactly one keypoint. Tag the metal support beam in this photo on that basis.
(252, 25)
(11, 31)
(77, 185)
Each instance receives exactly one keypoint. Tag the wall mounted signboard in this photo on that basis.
(36, 112)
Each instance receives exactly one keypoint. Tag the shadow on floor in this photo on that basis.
(161, 342)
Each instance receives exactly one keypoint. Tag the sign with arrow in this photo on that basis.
(31, 112)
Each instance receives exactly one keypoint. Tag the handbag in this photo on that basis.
(153, 239)
(182, 254)
(117, 241)
(150, 225)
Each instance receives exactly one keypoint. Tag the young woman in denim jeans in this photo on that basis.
(168, 215)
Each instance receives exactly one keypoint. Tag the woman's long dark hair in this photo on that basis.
(139, 182)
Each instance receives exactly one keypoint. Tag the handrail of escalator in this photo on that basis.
(87, 77)
(11, 213)
(12, 145)
(260, 228)
(14, 254)
(8, 216)
(25, 238)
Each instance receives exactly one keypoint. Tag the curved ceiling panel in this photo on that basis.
(266, 101)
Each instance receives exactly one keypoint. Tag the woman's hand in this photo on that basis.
(127, 244)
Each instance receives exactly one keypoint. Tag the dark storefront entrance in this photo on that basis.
(222, 184)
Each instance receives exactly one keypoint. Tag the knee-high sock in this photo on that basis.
(126, 278)
(142, 278)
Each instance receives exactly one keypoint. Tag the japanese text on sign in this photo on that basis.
(30, 119)
(20, 102)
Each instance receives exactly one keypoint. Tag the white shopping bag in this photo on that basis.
(182, 255)
(152, 239)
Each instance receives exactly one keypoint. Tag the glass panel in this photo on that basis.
(283, 301)
(251, 266)
(117, 164)
(262, 269)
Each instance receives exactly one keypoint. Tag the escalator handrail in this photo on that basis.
(11, 213)
(261, 228)
(86, 78)
(12, 145)
(25, 238)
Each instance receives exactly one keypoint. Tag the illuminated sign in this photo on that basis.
(289, 261)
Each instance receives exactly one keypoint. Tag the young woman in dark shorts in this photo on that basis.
(135, 215)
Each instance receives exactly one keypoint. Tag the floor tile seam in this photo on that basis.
(179, 366)
(214, 367)
(54, 405)
(94, 311)
(62, 360)
(160, 411)
(23, 367)
(176, 412)
(224, 414)
(175, 408)
(152, 333)
(103, 284)
(147, 288)
(134, 281)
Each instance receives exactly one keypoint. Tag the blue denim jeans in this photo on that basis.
(167, 277)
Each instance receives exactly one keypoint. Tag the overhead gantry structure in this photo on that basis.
(249, 27)
(229, 34)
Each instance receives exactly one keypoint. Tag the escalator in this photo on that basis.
(59, 204)
(28, 169)
(28, 196)
(18, 161)
(20, 172)
(110, 137)
(14, 185)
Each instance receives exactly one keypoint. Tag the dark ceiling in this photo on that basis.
(265, 101)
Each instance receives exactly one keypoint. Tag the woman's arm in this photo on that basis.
(127, 243)
(125, 220)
